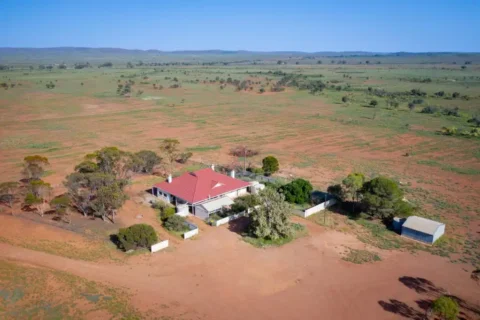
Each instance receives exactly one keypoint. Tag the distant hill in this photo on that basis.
(117, 55)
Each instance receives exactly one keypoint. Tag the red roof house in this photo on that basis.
(204, 189)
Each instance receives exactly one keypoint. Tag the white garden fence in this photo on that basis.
(230, 218)
(193, 231)
(159, 246)
(322, 206)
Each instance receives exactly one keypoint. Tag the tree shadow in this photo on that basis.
(239, 226)
(115, 240)
(402, 309)
(421, 285)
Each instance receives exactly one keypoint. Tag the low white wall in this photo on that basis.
(193, 231)
(159, 246)
(318, 208)
(230, 218)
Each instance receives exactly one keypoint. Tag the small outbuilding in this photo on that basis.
(421, 229)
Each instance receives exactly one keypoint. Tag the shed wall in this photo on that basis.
(440, 231)
(417, 235)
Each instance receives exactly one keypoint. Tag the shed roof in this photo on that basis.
(423, 225)
(217, 204)
(201, 185)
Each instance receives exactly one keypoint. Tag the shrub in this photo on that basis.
(455, 95)
(270, 165)
(411, 106)
(445, 307)
(383, 198)
(243, 203)
(417, 101)
(475, 120)
(176, 223)
(430, 109)
(449, 131)
(297, 191)
(373, 103)
(451, 112)
(344, 99)
(258, 171)
(137, 236)
(166, 213)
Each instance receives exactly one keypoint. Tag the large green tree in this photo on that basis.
(446, 308)
(270, 220)
(270, 165)
(297, 191)
(108, 200)
(383, 198)
(170, 151)
(149, 160)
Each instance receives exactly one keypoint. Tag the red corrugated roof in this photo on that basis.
(200, 185)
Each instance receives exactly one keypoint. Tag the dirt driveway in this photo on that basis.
(218, 276)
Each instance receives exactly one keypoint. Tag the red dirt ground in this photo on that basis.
(219, 276)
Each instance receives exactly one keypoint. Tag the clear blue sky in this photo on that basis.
(341, 25)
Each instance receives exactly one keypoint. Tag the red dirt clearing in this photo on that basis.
(219, 276)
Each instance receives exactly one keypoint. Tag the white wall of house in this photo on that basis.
(237, 193)
(201, 212)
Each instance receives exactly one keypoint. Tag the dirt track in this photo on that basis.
(221, 277)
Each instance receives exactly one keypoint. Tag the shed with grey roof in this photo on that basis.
(421, 229)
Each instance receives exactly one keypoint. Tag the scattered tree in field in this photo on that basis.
(464, 67)
(344, 99)
(446, 308)
(383, 198)
(353, 183)
(106, 65)
(86, 167)
(373, 103)
(170, 150)
(8, 193)
(270, 165)
(319, 62)
(62, 66)
(270, 220)
(137, 236)
(149, 160)
(455, 95)
(129, 65)
(411, 106)
(262, 90)
(60, 205)
(298, 191)
(184, 157)
(38, 195)
(176, 223)
(475, 120)
(34, 167)
(108, 200)
(50, 85)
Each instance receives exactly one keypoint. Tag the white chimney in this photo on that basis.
(232, 173)
(169, 179)
(213, 167)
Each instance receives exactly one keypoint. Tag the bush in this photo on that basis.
(176, 223)
(270, 165)
(373, 103)
(137, 236)
(344, 99)
(297, 191)
(243, 203)
(451, 112)
(445, 307)
(430, 109)
(258, 171)
(166, 213)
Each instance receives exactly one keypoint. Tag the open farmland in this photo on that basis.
(321, 137)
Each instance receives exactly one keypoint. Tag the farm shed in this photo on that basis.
(421, 229)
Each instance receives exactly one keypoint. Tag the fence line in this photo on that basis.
(159, 246)
(322, 206)
(193, 230)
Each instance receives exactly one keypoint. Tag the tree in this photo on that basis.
(112, 160)
(137, 236)
(297, 191)
(270, 220)
(39, 194)
(411, 106)
(169, 148)
(446, 308)
(149, 160)
(270, 165)
(60, 205)
(337, 191)
(36, 202)
(8, 193)
(86, 167)
(353, 184)
(108, 200)
(344, 99)
(184, 156)
(245, 152)
(383, 198)
(129, 65)
(373, 103)
(319, 62)
(34, 167)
